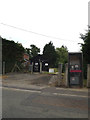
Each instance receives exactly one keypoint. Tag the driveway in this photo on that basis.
(26, 80)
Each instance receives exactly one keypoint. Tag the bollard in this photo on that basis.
(88, 75)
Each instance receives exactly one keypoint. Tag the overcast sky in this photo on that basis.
(59, 21)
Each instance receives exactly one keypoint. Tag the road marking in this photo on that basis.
(23, 90)
(82, 90)
(58, 94)
(69, 95)
(44, 93)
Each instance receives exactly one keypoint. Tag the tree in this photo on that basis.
(34, 50)
(62, 55)
(86, 50)
(86, 46)
(27, 50)
(49, 54)
(11, 52)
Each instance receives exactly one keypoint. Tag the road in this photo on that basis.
(44, 103)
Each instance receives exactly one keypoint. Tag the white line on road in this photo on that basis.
(45, 93)
(72, 89)
(23, 90)
(69, 95)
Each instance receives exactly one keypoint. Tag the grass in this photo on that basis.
(55, 71)
(85, 83)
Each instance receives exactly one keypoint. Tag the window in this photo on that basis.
(46, 64)
(36, 63)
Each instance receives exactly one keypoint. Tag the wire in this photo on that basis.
(36, 33)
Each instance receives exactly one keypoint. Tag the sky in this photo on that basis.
(40, 21)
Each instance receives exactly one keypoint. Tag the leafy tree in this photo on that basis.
(86, 46)
(86, 50)
(27, 50)
(49, 54)
(33, 51)
(11, 52)
(62, 55)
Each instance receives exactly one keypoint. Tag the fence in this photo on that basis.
(9, 67)
(12, 66)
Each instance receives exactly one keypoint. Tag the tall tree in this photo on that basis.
(86, 46)
(62, 54)
(11, 52)
(49, 53)
(27, 50)
(33, 50)
(86, 50)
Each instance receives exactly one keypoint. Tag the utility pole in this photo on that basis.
(1, 56)
(4, 67)
(88, 75)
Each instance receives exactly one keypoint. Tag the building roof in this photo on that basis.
(39, 57)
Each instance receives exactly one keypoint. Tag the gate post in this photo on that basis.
(66, 75)
(32, 68)
(88, 75)
(59, 74)
(40, 67)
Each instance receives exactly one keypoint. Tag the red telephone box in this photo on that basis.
(75, 72)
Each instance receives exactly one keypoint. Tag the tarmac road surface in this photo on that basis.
(44, 103)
